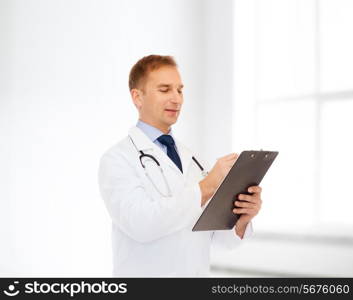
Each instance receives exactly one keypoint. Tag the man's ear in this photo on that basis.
(136, 97)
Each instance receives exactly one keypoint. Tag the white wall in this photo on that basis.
(64, 100)
(218, 79)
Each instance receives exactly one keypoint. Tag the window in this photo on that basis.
(294, 93)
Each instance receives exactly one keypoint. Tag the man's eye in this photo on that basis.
(163, 91)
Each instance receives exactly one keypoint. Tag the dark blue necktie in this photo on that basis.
(168, 141)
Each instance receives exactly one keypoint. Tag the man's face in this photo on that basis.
(160, 98)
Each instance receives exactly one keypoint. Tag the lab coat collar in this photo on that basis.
(142, 142)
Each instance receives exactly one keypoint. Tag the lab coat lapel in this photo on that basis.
(143, 143)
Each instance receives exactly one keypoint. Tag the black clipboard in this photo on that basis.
(248, 170)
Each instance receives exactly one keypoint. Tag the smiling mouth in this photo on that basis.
(173, 110)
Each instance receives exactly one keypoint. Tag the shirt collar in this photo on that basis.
(152, 133)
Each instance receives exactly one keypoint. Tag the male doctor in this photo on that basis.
(155, 188)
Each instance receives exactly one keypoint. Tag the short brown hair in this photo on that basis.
(141, 69)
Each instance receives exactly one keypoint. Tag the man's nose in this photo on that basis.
(177, 97)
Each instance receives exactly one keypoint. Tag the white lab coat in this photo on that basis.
(151, 233)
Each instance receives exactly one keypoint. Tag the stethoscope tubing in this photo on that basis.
(150, 156)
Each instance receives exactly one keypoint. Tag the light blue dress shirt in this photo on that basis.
(153, 134)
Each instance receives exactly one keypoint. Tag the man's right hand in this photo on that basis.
(214, 178)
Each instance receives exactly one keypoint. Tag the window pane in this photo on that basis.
(337, 158)
(288, 188)
(336, 44)
(285, 56)
(244, 53)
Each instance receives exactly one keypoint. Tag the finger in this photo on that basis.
(250, 198)
(240, 211)
(234, 158)
(244, 204)
(229, 163)
(255, 189)
(230, 156)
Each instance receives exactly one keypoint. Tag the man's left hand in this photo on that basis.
(247, 208)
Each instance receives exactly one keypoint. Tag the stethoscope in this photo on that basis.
(144, 155)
